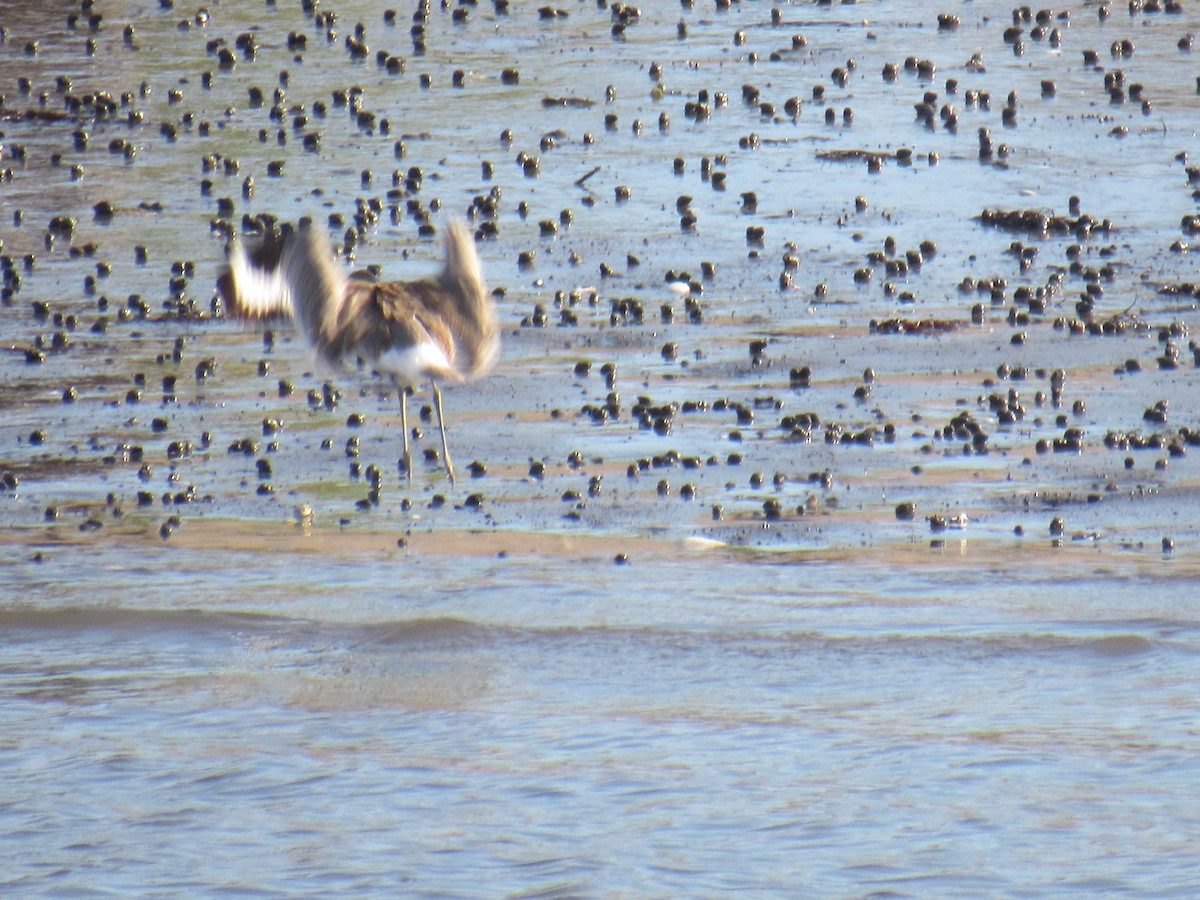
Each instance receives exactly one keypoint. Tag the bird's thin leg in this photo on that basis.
(437, 402)
(407, 460)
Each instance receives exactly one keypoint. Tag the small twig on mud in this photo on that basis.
(582, 179)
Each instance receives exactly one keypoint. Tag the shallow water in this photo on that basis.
(363, 720)
(504, 687)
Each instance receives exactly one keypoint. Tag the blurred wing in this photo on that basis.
(254, 292)
(315, 287)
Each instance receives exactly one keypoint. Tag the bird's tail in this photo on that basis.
(463, 277)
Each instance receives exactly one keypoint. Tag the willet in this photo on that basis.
(441, 328)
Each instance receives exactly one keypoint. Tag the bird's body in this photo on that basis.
(434, 329)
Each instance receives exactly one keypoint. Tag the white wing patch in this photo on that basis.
(259, 292)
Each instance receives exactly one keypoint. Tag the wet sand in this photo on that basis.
(824, 290)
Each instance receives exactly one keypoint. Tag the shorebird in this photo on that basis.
(436, 329)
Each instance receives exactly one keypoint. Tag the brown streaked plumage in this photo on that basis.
(441, 328)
